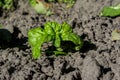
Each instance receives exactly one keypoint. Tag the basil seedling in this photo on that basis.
(54, 32)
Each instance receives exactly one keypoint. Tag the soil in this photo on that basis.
(99, 59)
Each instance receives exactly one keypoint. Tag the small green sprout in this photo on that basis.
(54, 32)
(111, 11)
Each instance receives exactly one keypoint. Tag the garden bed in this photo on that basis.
(99, 59)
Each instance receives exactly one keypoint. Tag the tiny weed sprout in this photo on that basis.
(54, 32)
(111, 11)
(6, 4)
(40, 7)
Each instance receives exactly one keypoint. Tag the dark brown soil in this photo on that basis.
(99, 59)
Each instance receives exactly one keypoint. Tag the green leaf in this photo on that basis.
(36, 37)
(49, 29)
(59, 53)
(6, 4)
(36, 52)
(116, 35)
(56, 27)
(32, 2)
(51, 26)
(1, 26)
(65, 36)
(57, 41)
(74, 38)
(70, 37)
(111, 11)
(66, 28)
(1, 4)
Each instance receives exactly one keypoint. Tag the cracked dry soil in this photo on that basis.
(97, 61)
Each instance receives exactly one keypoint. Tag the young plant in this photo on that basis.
(111, 11)
(54, 32)
(40, 7)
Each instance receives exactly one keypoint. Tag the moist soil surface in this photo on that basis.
(99, 59)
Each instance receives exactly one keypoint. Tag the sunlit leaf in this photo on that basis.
(111, 11)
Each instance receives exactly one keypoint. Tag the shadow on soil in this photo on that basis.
(10, 40)
(69, 46)
(66, 46)
(87, 45)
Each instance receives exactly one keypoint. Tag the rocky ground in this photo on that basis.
(97, 61)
